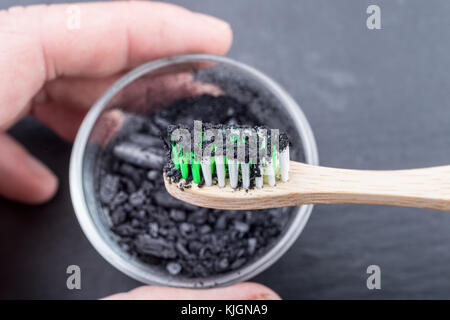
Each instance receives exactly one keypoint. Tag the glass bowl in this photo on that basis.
(153, 86)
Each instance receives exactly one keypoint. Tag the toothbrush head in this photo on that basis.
(208, 154)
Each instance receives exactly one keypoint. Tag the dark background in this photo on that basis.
(375, 99)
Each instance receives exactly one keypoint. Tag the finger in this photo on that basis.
(112, 36)
(66, 100)
(240, 291)
(23, 177)
(63, 119)
(37, 45)
(81, 92)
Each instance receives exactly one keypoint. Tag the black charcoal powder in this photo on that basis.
(160, 230)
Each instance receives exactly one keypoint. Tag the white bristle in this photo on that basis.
(206, 169)
(259, 180)
(270, 173)
(245, 172)
(233, 172)
(284, 164)
(220, 171)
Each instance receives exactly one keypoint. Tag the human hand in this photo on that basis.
(240, 291)
(55, 73)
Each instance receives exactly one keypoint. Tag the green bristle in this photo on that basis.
(183, 161)
(184, 167)
(195, 168)
(213, 161)
(175, 157)
(226, 165)
(213, 164)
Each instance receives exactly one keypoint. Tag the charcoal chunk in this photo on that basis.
(109, 187)
(137, 214)
(177, 215)
(130, 187)
(222, 264)
(195, 246)
(145, 140)
(153, 175)
(241, 226)
(156, 247)
(161, 122)
(238, 263)
(205, 229)
(187, 230)
(145, 158)
(173, 268)
(120, 198)
(251, 245)
(200, 271)
(131, 172)
(198, 217)
(147, 187)
(153, 129)
(163, 232)
(118, 216)
(181, 248)
(163, 199)
(136, 199)
(221, 223)
(153, 229)
(126, 230)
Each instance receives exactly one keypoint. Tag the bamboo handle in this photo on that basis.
(422, 188)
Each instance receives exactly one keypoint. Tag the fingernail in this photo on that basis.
(268, 297)
(214, 22)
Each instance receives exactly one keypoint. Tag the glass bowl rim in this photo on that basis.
(89, 227)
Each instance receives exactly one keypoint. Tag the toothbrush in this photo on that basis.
(274, 181)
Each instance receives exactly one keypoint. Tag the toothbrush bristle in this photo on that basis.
(210, 154)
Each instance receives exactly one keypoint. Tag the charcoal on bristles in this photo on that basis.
(215, 160)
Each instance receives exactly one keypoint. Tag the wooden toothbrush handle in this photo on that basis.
(421, 188)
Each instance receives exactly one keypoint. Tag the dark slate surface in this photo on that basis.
(375, 99)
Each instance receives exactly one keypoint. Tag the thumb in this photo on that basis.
(23, 177)
(239, 291)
